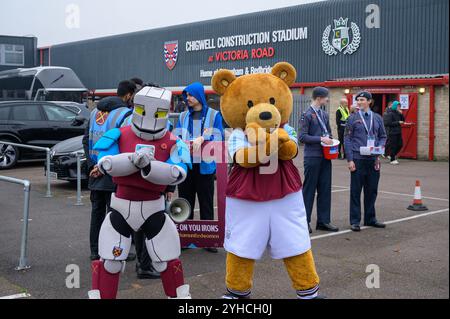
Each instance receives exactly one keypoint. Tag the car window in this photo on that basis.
(27, 113)
(4, 113)
(57, 113)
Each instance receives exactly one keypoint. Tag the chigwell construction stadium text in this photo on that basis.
(248, 39)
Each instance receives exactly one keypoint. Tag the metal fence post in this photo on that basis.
(23, 262)
(79, 202)
(49, 192)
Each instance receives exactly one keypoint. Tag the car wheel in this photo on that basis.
(8, 156)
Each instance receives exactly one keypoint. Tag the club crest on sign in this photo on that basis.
(340, 42)
(171, 54)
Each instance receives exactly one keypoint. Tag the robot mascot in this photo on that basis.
(143, 159)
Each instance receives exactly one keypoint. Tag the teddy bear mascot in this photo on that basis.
(143, 159)
(264, 203)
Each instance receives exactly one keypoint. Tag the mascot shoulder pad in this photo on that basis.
(108, 140)
(108, 144)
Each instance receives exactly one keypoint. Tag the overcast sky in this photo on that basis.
(60, 21)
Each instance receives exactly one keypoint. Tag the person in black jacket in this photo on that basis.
(109, 113)
(393, 120)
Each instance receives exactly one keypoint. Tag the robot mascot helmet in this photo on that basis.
(142, 158)
(151, 112)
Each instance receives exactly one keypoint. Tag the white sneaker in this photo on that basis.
(94, 294)
(183, 293)
(395, 162)
(388, 157)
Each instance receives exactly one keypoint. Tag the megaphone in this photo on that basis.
(179, 210)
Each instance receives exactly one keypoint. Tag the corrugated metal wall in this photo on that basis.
(29, 44)
(412, 39)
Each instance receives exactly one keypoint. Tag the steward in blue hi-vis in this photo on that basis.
(192, 124)
(110, 113)
(206, 123)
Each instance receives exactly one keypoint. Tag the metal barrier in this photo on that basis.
(37, 148)
(79, 202)
(23, 263)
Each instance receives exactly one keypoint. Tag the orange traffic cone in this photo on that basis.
(417, 203)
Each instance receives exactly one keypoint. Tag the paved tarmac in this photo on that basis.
(412, 253)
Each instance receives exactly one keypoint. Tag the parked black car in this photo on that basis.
(37, 123)
(63, 160)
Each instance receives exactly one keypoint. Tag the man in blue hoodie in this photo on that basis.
(197, 125)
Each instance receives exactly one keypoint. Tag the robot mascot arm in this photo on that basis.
(117, 165)
(110, 161)
(171, 172)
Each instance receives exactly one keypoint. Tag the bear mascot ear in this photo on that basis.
(222, 80)
(285, 71)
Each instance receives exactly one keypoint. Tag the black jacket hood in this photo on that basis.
(110, 103)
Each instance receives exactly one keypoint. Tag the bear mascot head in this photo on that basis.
(259, 101)
(264, 99)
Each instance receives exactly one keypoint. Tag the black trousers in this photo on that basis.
(149, 230)
(395, 145)
(202, 186)
(341, 131)
(100, 201)
(144, 260)
(317, 178)
(365, 177)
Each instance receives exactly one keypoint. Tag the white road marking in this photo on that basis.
(340, 190)
(387, 223)
(401, 194)
(346, 187)
(17, 296)
(409, 195)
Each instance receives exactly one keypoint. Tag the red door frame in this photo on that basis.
(409, 130)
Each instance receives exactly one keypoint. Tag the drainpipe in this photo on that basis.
(431, 129)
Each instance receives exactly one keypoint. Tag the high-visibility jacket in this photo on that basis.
(101, 122)
(207, 123)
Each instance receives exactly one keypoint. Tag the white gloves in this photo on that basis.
(105, 165)
(142, 157)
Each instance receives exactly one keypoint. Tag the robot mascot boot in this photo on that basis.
(163, 246)
(114, 247)
(104, 284)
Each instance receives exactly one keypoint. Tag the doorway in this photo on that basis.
(382, 101)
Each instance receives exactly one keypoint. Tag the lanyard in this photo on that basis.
(322, 124)
(364, 122)
(202, 125)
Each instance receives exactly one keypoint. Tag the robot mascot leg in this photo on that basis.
(114, 246)
(163, 245)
